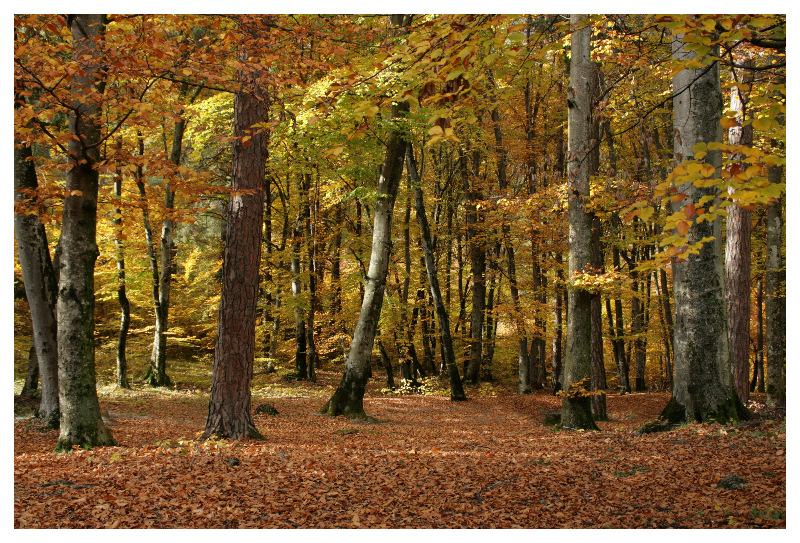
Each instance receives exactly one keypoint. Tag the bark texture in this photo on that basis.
(229, 413)
(81, 423)
(576, 410)
(737, 261)
(703, 388)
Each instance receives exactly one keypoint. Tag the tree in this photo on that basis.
(456, 387)
(737, 257)
(703, 389)
(40, 280)
(775, 299)
(229, 413)
(576, 409)
(81, 423)
(348, 399)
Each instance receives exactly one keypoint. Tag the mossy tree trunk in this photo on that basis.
(703, 387)
(576, 408)
(80, 423)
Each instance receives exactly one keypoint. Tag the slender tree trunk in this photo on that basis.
(301, 346)
(124, 304)
(558, 326)
(229, 404)
(348, 399)
(576, 410)
(81, 423)
(477, 257)
(41, 285)
(598, 369)
(448, 353)
(269, 301)
(703, 389)
(758, 368)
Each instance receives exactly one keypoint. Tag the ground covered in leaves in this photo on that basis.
(426, 463)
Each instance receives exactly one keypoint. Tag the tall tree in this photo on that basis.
(122, 295)
(576, 408)
(229, 413)
(703, 387)
(348, 399)
(737, 255)
(81, 423)
(39, 278)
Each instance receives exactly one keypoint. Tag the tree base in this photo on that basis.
(86, 437)
(732, 410)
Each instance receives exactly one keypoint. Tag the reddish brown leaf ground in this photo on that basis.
(427, 463)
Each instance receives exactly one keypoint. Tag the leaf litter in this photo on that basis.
(427, 463)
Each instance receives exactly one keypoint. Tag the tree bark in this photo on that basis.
(81, 423)
(348, 399)
(229, 405)
(737, 258)
(41, 285)
(576, 409)
(703, 389)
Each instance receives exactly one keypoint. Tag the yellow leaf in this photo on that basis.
(728, 122)
(435, 130)
(76, 193)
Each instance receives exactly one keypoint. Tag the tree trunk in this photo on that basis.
(703, 389)
(477, 257)
(775, 299)
(758, 368)
(300, 358)
(558, 326)
(598, 369)
(81, 423)
(576, 409)
(448, 353)
(348, 399)
(229, 405)
(124, 304)
(737, 258)
(41, 285)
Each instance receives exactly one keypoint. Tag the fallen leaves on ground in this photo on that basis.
(426, 463)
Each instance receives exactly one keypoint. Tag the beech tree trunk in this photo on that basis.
(448, 353)
(576, 409)
(41, 287)
(229, 413)
(81, 423)
(737, 259)
(703, 389)
(348, 399)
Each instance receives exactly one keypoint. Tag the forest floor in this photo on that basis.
(425, 463)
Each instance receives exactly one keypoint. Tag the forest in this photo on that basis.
(388, 271)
